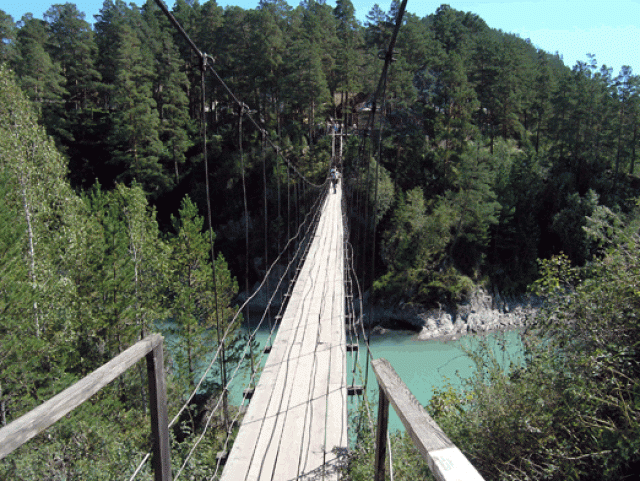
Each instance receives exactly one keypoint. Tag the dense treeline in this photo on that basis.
(83, 278)
(569, 408)
(493, 155)
(494, 149)
(497, 159)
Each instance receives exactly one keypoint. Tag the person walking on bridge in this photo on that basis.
(334, 178)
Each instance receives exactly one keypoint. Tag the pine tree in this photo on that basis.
(543, 87)
(457, 103)
(190, 279)
(7, 37)
(136, 122)
(472, 201)
(33, 174)
(72, 44)
(267, 61)
(39, 75)
(348, 57)
(378, 29)
(169, 90)
(108, 23)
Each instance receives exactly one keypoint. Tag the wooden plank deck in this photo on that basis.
(296, 422)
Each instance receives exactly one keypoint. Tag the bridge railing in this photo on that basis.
(446, 461)
(37, 420)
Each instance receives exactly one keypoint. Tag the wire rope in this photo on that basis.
(296, 256)
(214, 410)
(291, 167)
(303, 246)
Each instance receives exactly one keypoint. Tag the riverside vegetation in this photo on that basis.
(494, 155)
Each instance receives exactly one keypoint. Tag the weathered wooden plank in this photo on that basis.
(37, 420)
(313, 441)
(159, 419)
(259, 424)
(285, 436)
(381, 436)
(445, 459)
(268, 448)
(336, 440)
(298, 411)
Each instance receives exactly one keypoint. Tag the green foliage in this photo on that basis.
(83, 278)
(7, 35)
(493, 154)
(569, 224)
(198, 308)
(572, 411)
(556, 275)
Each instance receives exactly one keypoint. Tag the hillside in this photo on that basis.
(496, 166)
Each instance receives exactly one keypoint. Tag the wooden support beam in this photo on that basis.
(248, 393)
(355, 390)
(159, 419)
(40, 418)
(445, 460)
(381, 436)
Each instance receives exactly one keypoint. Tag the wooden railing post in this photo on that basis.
(159, 418)
(40, 418)
(381, 435)
(446, 461)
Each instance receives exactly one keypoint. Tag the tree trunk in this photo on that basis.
(31, 247)
(538, 133)
(311, 121)
(632, 165)
(3, 411)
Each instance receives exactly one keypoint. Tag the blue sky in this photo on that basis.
(609, 29)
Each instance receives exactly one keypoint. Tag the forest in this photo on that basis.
(498, 166)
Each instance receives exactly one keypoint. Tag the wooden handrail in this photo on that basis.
(40, 418)
(445, 460)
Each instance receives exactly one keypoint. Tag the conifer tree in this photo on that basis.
(107, 27)
(190, 280)
(33, 174)
(378, 29)
(348, 57)
(457, 103)
(267, 60)
(7, 37)
(136, 122)
(71, 42)
(169, 91)
(39, 76)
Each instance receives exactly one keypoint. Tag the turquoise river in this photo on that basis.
(425, 366)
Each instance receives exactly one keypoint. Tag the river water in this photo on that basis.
(424, 366)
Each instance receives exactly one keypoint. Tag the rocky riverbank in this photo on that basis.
(483, 312)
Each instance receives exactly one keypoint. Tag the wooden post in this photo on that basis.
(159, 418)
(381, 435)
(40, 418)
(446, 461)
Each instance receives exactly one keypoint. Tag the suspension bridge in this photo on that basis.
(296, 424)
